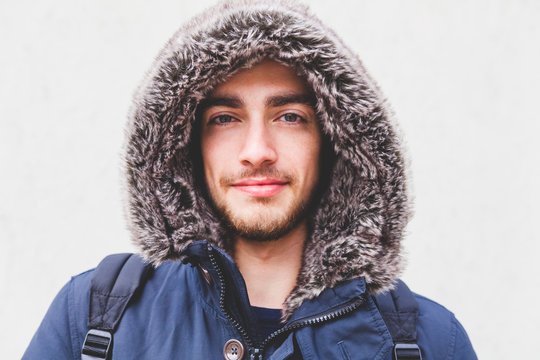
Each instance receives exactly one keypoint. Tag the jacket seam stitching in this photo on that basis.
(380, 326)
(109, 295)
(72, 328)
(343, 350)
(452, 342)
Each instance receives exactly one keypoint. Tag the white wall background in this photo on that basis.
(462, 76)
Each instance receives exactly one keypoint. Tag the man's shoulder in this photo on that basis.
(440, 332)
(169, 280)
(431, 309)
(159, 274)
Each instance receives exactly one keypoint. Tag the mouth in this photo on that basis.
(260, 187)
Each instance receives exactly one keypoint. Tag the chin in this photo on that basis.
(262, 231)
(263, 222)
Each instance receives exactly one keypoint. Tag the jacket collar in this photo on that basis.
(198, 252)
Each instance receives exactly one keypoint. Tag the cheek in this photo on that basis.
(313, 166)
(304, 156)
(217, 154)
(210, 159)
(313, 159)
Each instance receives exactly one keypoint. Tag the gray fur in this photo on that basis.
(359, 225)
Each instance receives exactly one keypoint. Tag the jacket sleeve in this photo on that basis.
(439, 333)
(463, 349)
(53, 338)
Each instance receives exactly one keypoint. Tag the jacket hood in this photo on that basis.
(359, 223)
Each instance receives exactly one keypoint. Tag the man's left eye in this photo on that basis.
(291, 118)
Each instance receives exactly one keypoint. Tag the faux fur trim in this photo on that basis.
(360, 222)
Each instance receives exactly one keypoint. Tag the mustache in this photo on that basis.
(274, 173)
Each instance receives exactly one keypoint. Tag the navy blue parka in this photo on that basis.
(178, 316)
(356, 221)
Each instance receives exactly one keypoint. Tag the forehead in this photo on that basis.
(267, 76)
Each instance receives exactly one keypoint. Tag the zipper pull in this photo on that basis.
(255, 354)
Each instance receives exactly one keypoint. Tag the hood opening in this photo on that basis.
(360, 219)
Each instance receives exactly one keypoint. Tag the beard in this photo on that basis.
(264, 225)
(262, 219)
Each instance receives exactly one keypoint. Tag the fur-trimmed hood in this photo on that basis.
(360, 221)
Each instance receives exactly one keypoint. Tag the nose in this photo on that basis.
(258, 146)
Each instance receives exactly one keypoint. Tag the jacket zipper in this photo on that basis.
(256, 352)
(222, 284)
(328, 315)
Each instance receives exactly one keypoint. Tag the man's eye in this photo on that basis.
(221, 119)
(292, 118)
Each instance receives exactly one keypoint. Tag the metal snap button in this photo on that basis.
(233, 350)
(205, 274)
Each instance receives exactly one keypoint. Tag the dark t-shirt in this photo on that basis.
(268, 320)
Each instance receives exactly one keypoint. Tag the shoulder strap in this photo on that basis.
(114, 282)
(399, 311)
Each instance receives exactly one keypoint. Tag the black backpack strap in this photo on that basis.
(399, 311)
(113, 284)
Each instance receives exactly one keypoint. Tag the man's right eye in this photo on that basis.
(221, 120)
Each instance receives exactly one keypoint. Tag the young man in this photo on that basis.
(262, 155)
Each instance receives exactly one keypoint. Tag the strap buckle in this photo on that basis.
(97, 345)
(404, 351)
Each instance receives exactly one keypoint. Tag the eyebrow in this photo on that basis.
(273, 101)
(280, 100)
(228, 101)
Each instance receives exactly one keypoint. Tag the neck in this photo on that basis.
(270, 268)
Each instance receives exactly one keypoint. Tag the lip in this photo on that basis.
(260, 187)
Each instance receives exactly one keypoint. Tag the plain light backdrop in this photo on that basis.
(462, 77)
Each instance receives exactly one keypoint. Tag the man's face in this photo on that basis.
(260, 146)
